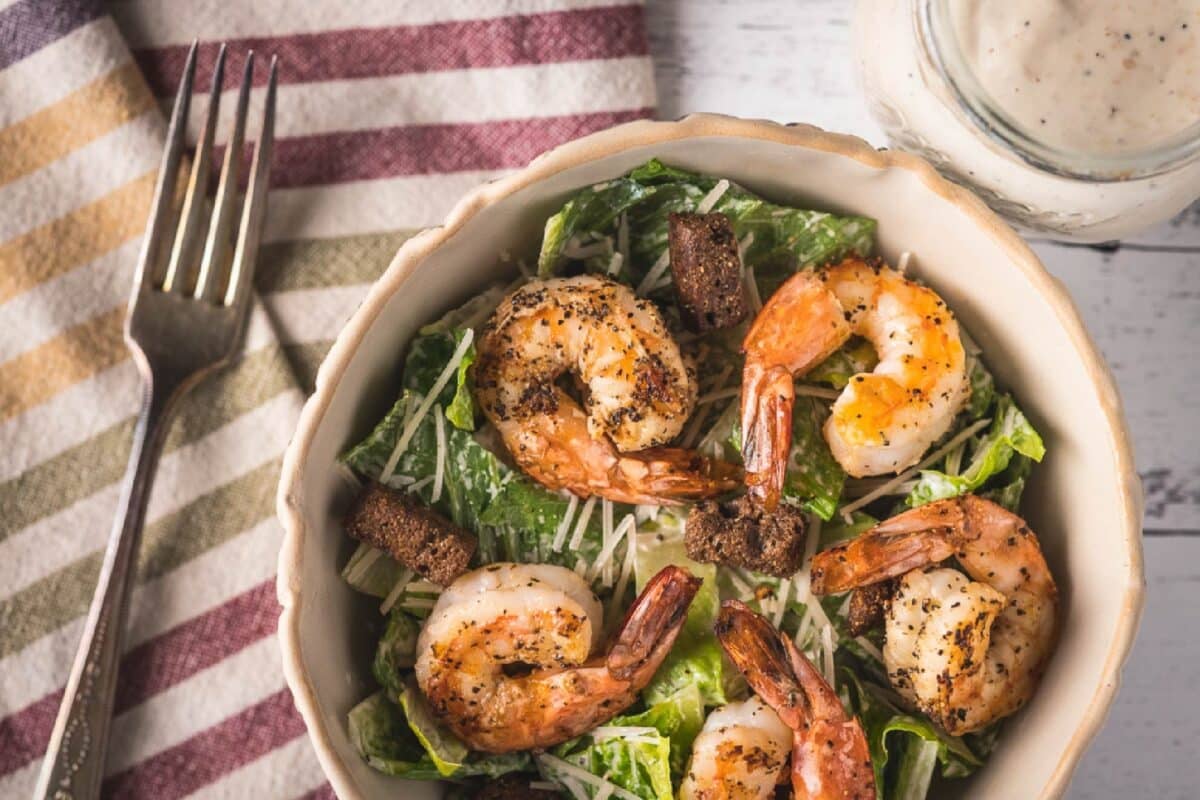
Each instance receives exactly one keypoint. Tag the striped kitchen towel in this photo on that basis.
(388, 110)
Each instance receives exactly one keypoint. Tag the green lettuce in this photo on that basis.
(855, 356)
(904, 749)
(696, 659)
(396, 651)
(991, 452)
(390, 742)
(776, 240)
(635, 753)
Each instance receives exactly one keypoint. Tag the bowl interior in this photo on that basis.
(1078, 500)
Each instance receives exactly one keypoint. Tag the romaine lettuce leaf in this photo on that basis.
(396, 745)
(696, 659)
(396, 651)
(855, 356)
(891, 733)
(776, 240)
(635, 753)
(983, 387)
(991, 451)
(527, 516)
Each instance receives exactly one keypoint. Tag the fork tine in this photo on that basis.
(218, 244)
(149, 265)
(255, 208)
(188, 234)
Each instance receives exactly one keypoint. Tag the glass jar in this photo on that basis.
(930, 100)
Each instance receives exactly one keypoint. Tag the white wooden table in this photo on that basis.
(789, 60)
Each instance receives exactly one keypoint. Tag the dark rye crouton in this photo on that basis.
(511, 787)
(707, 271)
(740, 533)
(414, 534)
(868, 605)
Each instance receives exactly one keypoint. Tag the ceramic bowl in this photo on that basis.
(1084, 500)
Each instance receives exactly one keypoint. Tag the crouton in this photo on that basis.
(868, 605)
(414, 534)
(740, 533)
(707, 271)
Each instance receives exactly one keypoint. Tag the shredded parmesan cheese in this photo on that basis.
(397, 590)
(581, 525)
(623, 237)
(869, 646)
(822, 392)
(560, 535)
(656, 272)
(626, 568)
(410, 427)
(902, 263)
(755, 299)
(421, 484)
(606, 533)
(887, 488)
(556, 764)
(439, 472)
(709, 201)
(827, 647)
(719, 394)
(785, 586)
(615, 263)
(606, 553)
(364, 563)
(417, 603)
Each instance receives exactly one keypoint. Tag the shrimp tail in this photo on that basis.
(651, 625)
(830, 757)
(768, 395)
(669, 475)
(907, 541)
(757, 650)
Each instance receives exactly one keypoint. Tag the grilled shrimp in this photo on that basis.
(639, 393)
(884, 420)
(966, 652)
(740, 754)
(830, 758)
(543, 621)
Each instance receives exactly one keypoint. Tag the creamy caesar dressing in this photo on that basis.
(1103, 77)
(1058, 139)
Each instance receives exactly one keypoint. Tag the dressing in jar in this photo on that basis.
(1075, 118)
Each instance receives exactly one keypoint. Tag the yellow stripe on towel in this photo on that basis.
(75, 239)
(82, 116)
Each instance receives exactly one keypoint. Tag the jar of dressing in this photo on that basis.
(1079, 119)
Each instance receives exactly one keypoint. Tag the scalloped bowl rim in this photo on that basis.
(645, 132)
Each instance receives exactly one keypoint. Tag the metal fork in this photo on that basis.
(186, 318)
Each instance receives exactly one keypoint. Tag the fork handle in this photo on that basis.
(74, 763)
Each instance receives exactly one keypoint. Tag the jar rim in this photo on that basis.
(935, 32)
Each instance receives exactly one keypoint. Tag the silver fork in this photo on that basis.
(186, 318)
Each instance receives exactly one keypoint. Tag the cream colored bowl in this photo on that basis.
(1084, 499)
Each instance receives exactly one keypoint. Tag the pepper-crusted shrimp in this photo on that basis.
(830, 757)
(966, 652)
(639, 392)
(884, 420)
(740, 754)
(545, 619)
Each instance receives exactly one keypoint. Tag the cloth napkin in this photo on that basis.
(387, 112)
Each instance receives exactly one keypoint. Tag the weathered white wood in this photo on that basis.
(790, 61)
(1148, 748)
(1143, 309)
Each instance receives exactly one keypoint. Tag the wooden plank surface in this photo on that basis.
(789, 60)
